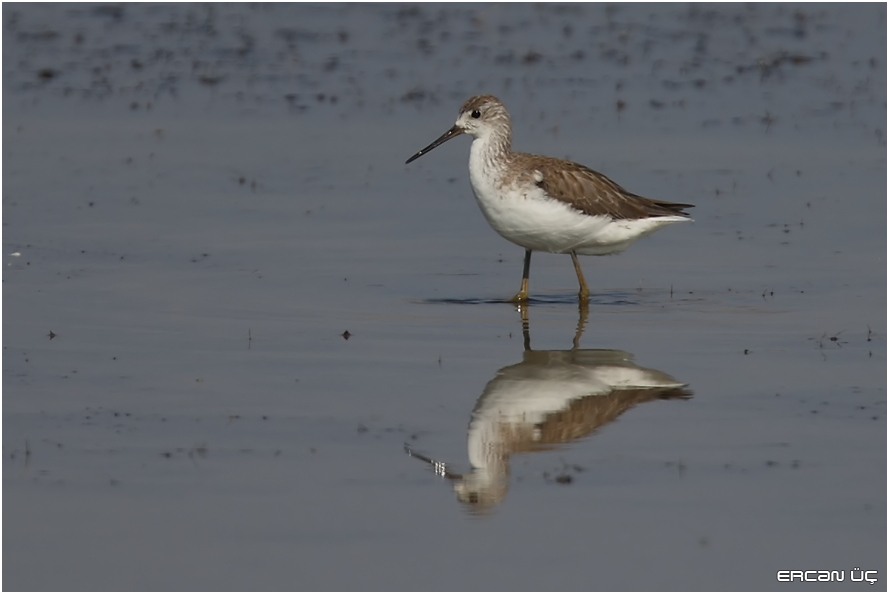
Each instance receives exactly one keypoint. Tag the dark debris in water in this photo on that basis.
(564, 475)
(47, 74)
(145, 52)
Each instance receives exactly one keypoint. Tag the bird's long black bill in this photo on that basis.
(455, 131)
(439, 468)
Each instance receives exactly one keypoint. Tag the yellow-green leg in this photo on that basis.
(522, 295)
(583, 311)
(584, 294)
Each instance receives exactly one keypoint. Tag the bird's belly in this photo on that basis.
(537, 222)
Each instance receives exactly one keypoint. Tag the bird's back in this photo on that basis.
(590, 191)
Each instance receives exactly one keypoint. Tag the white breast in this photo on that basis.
(525, 215)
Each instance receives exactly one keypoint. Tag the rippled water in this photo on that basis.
(228, 304)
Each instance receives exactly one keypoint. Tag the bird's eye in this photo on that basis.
(476, 114)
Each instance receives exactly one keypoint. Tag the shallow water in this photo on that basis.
(228, 304)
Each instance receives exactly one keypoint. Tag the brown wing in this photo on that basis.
(594, 194)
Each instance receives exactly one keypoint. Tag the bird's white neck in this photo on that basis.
(488, 155)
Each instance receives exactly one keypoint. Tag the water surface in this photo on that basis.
(228, 304)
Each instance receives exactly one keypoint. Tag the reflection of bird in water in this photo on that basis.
(549, 398)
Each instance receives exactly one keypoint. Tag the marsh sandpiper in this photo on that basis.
(546, 204)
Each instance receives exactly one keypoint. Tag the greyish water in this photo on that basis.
(228, 304)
